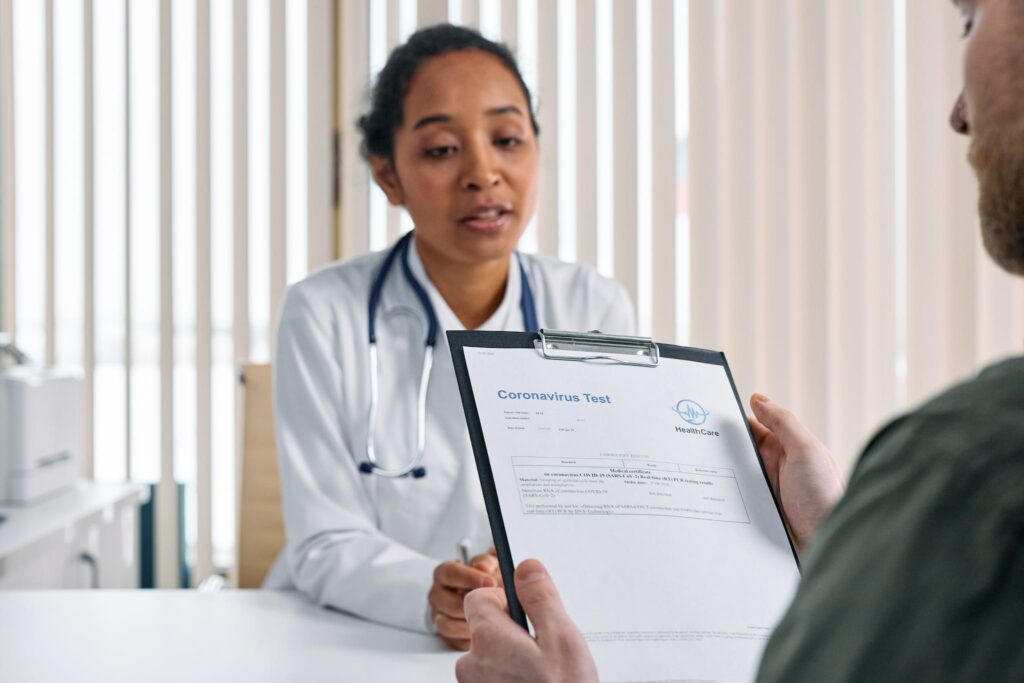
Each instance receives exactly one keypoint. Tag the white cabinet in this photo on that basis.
(85, 537)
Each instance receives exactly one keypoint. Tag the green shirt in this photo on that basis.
(918, 572)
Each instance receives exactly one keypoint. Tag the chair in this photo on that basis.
(260, 525)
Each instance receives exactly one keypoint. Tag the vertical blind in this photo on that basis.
(165, 173)
(774, 179)
(835, 250)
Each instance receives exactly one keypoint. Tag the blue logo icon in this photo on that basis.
(691, 412)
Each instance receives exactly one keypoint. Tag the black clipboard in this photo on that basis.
(560, 345)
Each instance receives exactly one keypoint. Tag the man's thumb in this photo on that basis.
(784, 424)
(539, 598)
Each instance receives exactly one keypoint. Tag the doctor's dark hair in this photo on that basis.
(378, 126)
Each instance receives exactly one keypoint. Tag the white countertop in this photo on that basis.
(28, 524)
(234, 635)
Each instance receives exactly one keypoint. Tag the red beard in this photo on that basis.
(998, 159)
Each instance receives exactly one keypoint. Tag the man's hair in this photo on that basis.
(378, 126)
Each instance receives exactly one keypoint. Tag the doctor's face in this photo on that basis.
(465, 159)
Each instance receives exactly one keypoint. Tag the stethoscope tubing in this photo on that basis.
(400, 251)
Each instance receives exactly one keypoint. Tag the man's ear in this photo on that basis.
(386, 178)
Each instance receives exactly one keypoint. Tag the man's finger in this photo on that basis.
(786, 427)
(761, 433)
(483, 604)
(540, 600)
(461, 577)
(490, 625)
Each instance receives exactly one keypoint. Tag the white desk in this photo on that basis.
(190, 636)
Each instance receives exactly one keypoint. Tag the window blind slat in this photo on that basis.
(7, 198)
(204, 331)
(470, 12)
(428, 12)
(240, 171)
(320, 36)
(355, 210)
(705, 299)
(240, 209)
(88, 240)
(51, 232)
(278, 165)
(393, 25)
(663, 171)
(297, 52)
(586, 132)
(547, 99)
(510, 24)
(624, 117)
(393, 213)
(126, 360)
(772, 88)
(68, 202)
(167, 493)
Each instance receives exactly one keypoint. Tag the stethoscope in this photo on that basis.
(400, 251)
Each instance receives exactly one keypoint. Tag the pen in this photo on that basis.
(462, 551)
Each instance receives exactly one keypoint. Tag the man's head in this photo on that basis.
(991, 111)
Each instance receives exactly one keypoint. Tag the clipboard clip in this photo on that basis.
(590, 347)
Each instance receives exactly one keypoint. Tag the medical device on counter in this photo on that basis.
(40, 428)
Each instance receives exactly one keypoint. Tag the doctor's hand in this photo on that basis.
(452, 580)
(488, 563)
(503, 652)
(804, 475)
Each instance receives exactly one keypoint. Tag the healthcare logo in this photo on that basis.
(691, 412)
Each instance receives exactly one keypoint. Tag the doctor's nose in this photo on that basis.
(479, 171)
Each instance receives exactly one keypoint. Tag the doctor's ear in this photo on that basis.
(386, 178)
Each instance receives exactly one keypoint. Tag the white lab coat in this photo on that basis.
(363, 543)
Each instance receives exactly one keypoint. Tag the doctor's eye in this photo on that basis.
(508, 142)
(440, 152)
(968, 25)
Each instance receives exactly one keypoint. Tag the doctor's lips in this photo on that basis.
(488, 217)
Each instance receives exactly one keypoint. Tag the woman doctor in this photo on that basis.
(450, 137)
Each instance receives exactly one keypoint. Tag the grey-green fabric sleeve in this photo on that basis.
(918, 573)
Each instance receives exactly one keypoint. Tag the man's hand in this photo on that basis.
(804, 475)
(452, 580)
(504, 653)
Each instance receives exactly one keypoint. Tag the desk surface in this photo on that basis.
(237, 635)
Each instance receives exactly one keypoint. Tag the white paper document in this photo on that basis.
(641, 492)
